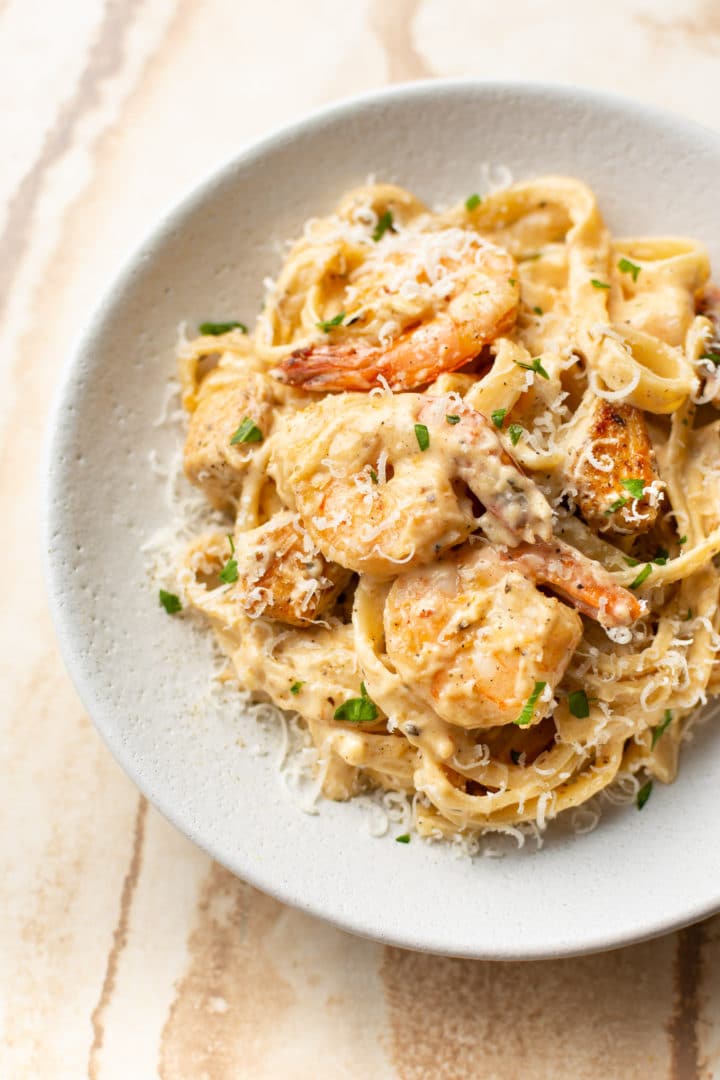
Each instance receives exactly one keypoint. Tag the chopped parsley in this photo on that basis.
(627, 267)
(635, 487)
(327, 325)
(643, 794)
(617, 505)
(404, 839)
(385, 222)
(453, 419)
(296, 688)
(472, 201)
(578, 704)
(515, 431)
(531, 257)
(682, 540)
(423, 436)
(630, 561)
(214, 329)
(599, 284)
(497, 417)
(709, 354)
(689, 615)
(247, 432)
(512, 281)
(374, 476)
(529, 707)
(659, 731)
(229, 572)
(660, 557)
(642, 576)
(534, 365)
(359, 710)
(170, 602)
(538, 311)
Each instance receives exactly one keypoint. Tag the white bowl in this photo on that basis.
(140, 674)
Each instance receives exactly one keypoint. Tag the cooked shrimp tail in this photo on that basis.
(581, 581)
(482, 306)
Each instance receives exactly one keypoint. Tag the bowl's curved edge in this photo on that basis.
(62, 621)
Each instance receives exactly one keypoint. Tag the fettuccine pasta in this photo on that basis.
(471, 477)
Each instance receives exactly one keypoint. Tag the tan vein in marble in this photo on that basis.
(700, 27)
(684, 1022)
(105, 58)
(120, 937)
(453, 1019)
(392, 22)
(230, 1002)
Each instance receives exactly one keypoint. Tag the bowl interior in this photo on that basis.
(144, 677)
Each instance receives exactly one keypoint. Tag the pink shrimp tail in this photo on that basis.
(586, 584)
(330, 367)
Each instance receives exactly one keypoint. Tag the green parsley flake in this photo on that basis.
(296, 688)
(682, 540)
(617, 505)
(359, 710)
(642, 576)
(497, 417)
(529, 707)
(531, 257)
(534, 365)
(404, 839)
(627, 267)
(229, 572)
(214, 329)
(170, 602)
(538, 311)
(714, 357)
(385, 222)
(599, 284)
(512, 282)
(643, 794)
(327, 325)
(689, 615)
(374, 476)
(659, 731)
(247, 432)
(630, 561)
(472, 201)
(635, 487)
(515, 431)
(423, 436)
(661, 557)
(578, 704)
(453, 419)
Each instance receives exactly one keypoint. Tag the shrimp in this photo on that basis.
(475, 639)
(474, 299)
(607, 445)
(385, 483)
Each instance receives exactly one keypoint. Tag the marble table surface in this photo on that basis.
(125, 952)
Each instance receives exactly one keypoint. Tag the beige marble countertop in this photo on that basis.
(125, 952)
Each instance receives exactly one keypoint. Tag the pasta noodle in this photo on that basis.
(472, 486)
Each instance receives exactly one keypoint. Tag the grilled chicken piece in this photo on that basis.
(211, 461)
(282, 575)
(608, 443)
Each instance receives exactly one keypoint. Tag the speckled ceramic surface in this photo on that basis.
(141, 675)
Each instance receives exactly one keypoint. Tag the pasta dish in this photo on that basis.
(469, 467)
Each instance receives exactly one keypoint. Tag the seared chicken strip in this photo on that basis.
(611, 463)
(282, 575)
(212, 461)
